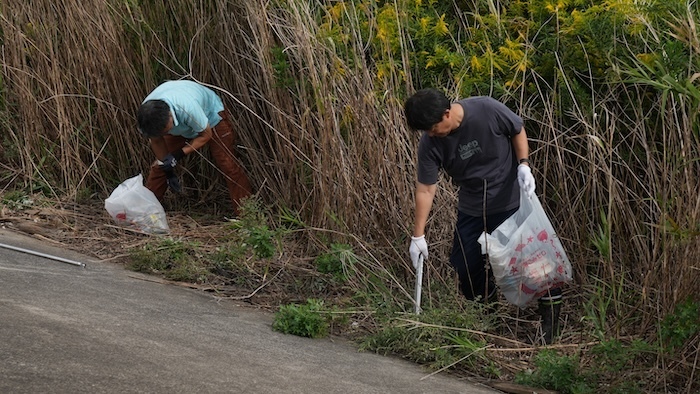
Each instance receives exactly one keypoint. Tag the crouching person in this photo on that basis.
(179, 118)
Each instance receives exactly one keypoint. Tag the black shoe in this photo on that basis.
(549, 310)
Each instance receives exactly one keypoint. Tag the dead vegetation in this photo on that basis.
(325, 138)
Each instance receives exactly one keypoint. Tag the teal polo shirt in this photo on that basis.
(192, 105)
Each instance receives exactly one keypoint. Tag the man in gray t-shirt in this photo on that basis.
(482, 146)
(477, 152)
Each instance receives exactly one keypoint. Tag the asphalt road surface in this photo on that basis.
(69, 329)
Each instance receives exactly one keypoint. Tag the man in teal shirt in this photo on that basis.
(179, 118)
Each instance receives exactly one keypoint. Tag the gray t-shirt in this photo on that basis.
(478, 150)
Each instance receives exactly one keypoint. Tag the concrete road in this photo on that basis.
(67, 329)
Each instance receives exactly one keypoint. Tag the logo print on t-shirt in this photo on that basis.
(468, 150)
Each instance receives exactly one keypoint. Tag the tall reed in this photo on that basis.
(320, 133)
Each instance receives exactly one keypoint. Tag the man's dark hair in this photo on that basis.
(425, 108)
(153, 116)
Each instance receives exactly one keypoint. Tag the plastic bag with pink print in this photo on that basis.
(527, 257)
(132, 204)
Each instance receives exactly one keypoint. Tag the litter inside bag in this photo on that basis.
(526, 255)
(132, 204)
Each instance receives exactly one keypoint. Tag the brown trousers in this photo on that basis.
(221, 145)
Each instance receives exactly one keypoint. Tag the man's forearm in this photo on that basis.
(520, 145)
(424, 202)
(199, 141)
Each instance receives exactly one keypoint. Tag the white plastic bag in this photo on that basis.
(526, 255)
(132, 204)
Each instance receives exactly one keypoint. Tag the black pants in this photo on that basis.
(470, 264)
(466, 257)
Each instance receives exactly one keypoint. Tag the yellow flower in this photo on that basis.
(337, 11)
(382, 34)
(441, 28)
(512, 51)
(647, 58)
(476, 64)
(553, 8)
(424, 23)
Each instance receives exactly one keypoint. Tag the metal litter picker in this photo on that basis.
(419, 285)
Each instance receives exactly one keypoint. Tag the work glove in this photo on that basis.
(526, 180)
(174, 183)
(418, 247)
(170, 161)
(172, 179)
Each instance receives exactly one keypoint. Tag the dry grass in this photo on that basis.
(330, 143)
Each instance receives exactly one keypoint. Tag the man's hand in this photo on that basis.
(170, 161)
(418, 247)
(526, 180)
(174, 183)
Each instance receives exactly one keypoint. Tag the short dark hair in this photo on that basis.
(152, 117)
(425, 108)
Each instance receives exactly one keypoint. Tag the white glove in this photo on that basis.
(526, 180)
(418, 247)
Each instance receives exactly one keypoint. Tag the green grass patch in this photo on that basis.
(339, 262)
(435, 338)
(173, 259)
(248, 240)
(17, 200)
(307, 320)
(556, 372)
(254, 230)
(681, 325)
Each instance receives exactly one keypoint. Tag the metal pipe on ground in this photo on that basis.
(44, 255)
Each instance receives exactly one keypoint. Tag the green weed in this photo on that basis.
(281, 68)
(254, 230)
(261, 239)
(17, 200)
(302, 320)
(606, 300)
(614, 356)
(290, 219)
(602, 240)
(597, 313)
(465, 350)
(187, 270)
(437, 340)
(338, 262)
(556, 372)
(252, 214)
(681, 325)
(615, 362)
(226, 257)
(174, 260)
